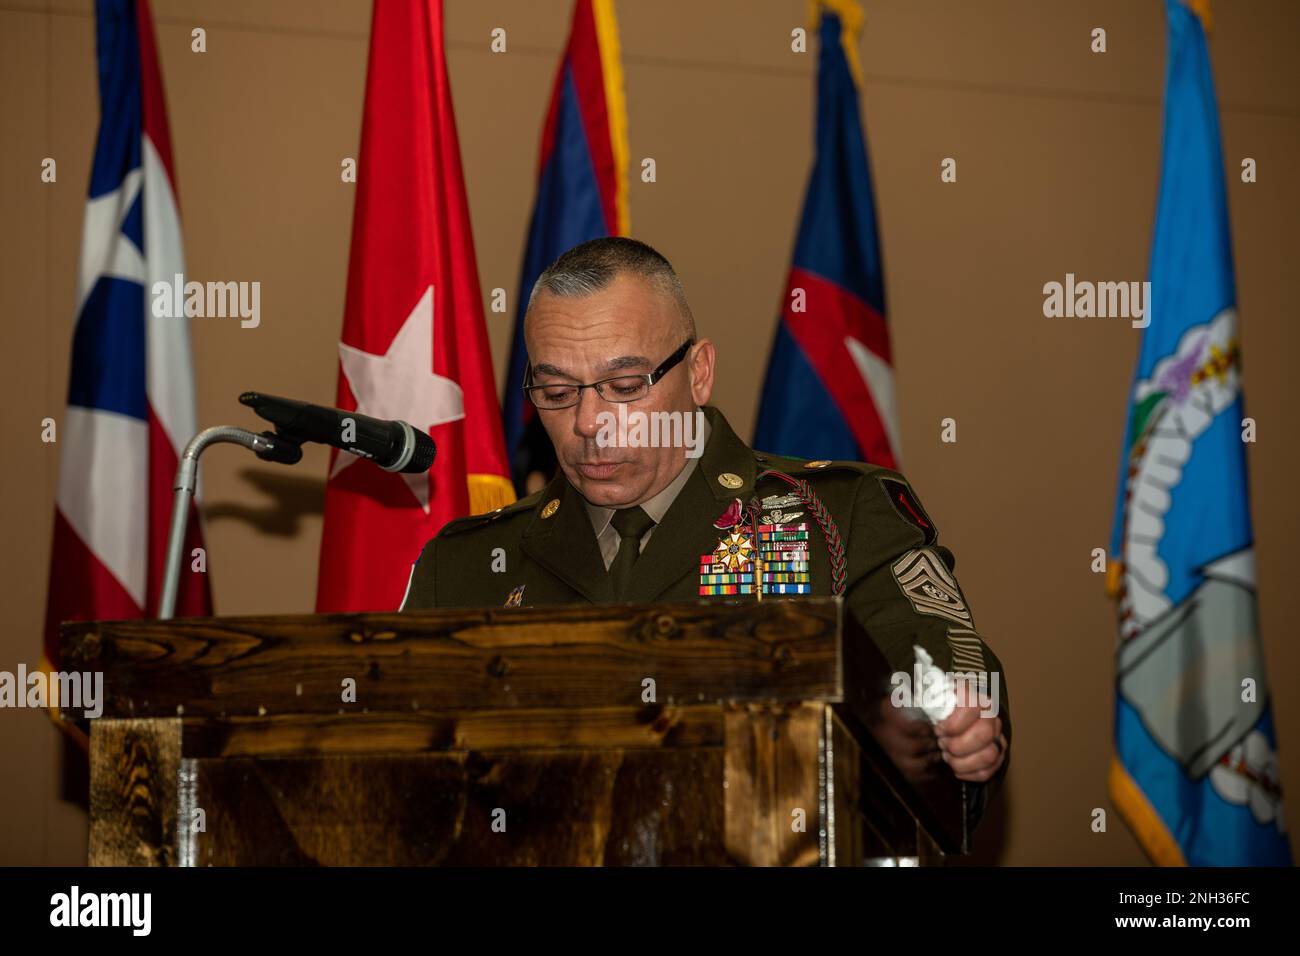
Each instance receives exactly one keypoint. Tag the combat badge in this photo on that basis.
(775, 505)
(908, 508)
(930, 586)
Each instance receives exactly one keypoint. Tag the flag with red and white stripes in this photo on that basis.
(131, 383)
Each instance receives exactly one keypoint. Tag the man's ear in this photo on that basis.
(702, 371)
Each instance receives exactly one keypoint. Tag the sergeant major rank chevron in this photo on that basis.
(931, 588)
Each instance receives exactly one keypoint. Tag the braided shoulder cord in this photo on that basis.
(830, 531)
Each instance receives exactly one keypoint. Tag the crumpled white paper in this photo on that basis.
(937, 694)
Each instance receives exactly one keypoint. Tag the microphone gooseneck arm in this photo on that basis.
(266, 446)
(394, 446)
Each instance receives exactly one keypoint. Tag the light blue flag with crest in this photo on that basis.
(1196, 768)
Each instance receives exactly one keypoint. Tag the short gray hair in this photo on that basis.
(591, 266)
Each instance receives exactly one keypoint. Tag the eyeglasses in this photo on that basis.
(620, 389)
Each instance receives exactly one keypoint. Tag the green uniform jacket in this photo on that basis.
(898, 578)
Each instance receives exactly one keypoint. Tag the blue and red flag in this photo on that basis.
(581, 195)
(829, 391)
(1195, 772)
(131, 383)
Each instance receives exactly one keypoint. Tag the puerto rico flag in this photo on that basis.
(131, 384)
(581, 195)
(829, 391)
(414, 345)
(1196, 771)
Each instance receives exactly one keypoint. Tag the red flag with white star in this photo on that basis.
(414, 345)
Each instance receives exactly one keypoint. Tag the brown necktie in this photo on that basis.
(631, 525)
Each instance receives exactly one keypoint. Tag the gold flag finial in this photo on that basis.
(851, 18)
(1202, 9)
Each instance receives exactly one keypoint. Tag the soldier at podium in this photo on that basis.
(657, 499)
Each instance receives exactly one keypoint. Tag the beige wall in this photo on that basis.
(1057, 152)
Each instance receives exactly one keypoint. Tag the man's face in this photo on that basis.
(627, 327)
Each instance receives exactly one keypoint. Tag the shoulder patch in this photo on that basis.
(909, 509)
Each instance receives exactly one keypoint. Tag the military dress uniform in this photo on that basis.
(698, 543)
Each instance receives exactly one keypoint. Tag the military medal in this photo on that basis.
(734, 551)
(821, 514)
(729, 518)
(773, 555)
(777, 560)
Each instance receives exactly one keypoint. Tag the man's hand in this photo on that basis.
(973, 746)
(909, 740)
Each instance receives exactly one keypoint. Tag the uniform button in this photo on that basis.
(551, 507)
(816, 464)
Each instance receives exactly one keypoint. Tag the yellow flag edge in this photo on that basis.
(1151, 832)
(615, 105)
(52, 707)
(489, 492)
(1202, 9)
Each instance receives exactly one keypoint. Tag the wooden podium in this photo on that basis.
(755, 733)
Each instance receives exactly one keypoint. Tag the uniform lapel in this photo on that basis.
(565, 544)
(687, 530)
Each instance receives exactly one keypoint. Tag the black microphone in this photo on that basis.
(393, 446)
